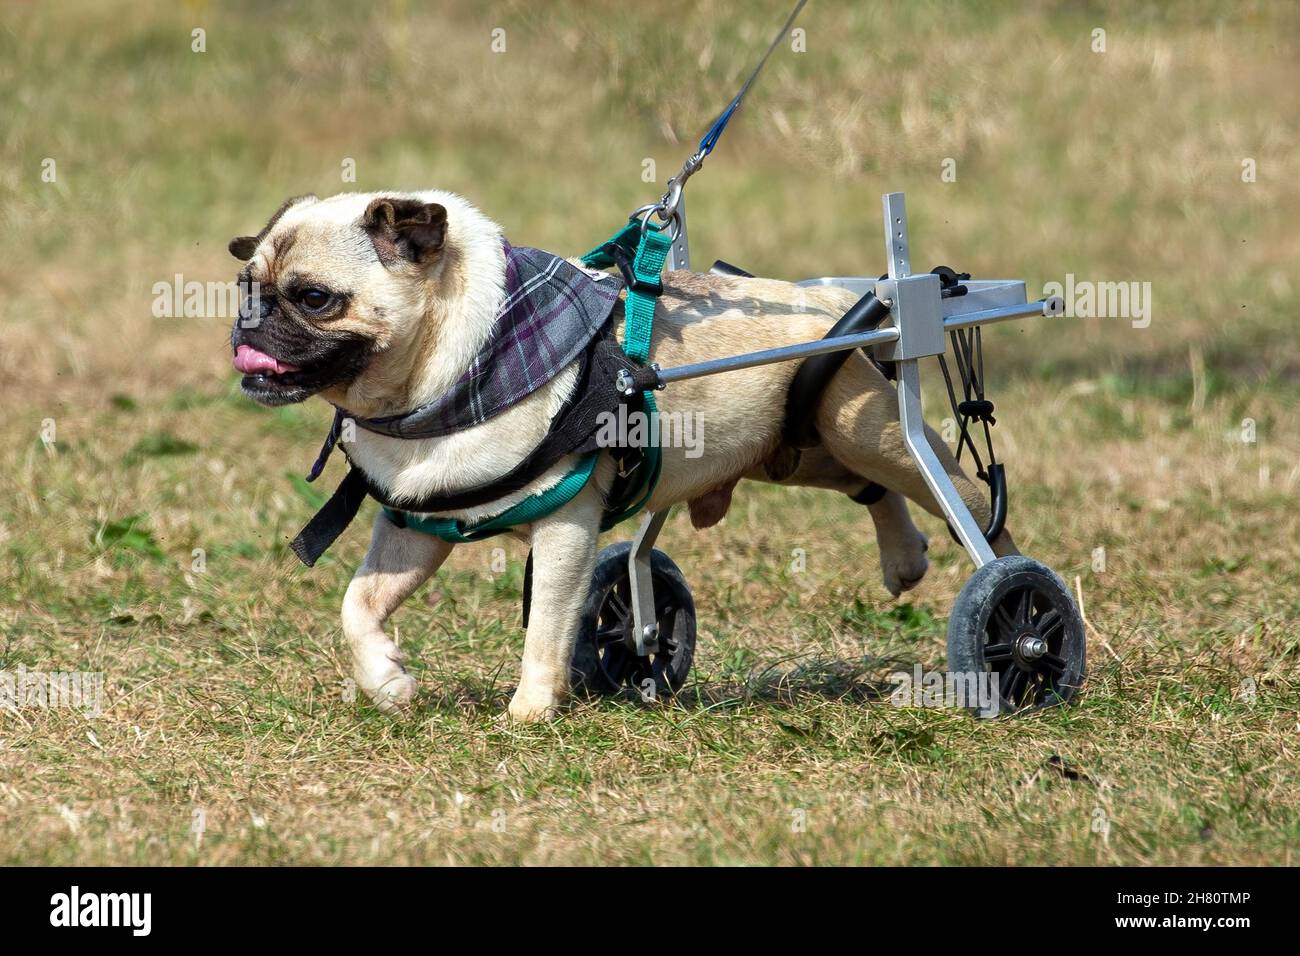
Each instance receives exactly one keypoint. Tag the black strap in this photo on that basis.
(330, 522)
(968, 355)
(870, 494)
(332, 439)
(814, 374)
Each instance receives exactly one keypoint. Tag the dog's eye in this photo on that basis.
(314, 299)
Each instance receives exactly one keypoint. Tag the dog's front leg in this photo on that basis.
(564, 555)
(398, 562)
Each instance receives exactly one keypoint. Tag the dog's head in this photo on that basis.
(332, 291)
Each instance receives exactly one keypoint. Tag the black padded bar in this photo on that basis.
(720, 268)
(815, 373)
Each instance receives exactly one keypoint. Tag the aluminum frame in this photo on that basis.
(919, 322)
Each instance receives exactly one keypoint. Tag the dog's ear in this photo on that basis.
(405, 228)
(241, 247)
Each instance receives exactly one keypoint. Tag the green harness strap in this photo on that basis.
(530, 509)
(638, 324)
(648, 256)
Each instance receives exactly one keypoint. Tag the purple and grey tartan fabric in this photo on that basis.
(551, 312)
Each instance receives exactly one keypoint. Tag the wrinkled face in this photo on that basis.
(327, 286)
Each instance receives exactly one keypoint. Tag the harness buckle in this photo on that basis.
(624, 263)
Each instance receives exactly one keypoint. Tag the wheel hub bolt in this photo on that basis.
(1032, 647)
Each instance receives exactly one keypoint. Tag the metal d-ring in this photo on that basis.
(672, 223)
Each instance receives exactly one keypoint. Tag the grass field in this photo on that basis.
(227, 736)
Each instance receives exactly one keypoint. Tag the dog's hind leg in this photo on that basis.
(902, 545)
(398, 562)
(564, 557)
(858, 423)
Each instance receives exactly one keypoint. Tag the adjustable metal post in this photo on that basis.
(645, 623)
(917, 312)
(679, 253)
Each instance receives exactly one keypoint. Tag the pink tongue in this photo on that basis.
(251, 362)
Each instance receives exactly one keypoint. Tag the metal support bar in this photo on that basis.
(679, 253)
(918, 319)
(840, 343)
(966, 320)
(781, 354)
(645, 623)
(927, 462)
(897, 240)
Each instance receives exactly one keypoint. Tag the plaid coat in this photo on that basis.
(551, 312)
(552, 315)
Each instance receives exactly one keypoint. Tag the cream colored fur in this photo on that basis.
(429, 322)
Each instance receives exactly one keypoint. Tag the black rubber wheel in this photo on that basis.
(1015, 618)
(603, 660)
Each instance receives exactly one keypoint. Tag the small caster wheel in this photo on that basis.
(605, 659)
(1016, 619)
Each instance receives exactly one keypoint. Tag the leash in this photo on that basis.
(641, 264)
(668, 207)
(639, 250)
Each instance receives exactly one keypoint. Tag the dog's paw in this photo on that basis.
(529, 707)
(395, 695)
(903, 563)
(389, 687)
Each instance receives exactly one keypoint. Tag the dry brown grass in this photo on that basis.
(225, 692)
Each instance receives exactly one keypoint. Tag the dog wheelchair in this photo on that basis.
(1014, 620)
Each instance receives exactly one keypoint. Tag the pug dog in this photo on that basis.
(379, 302)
